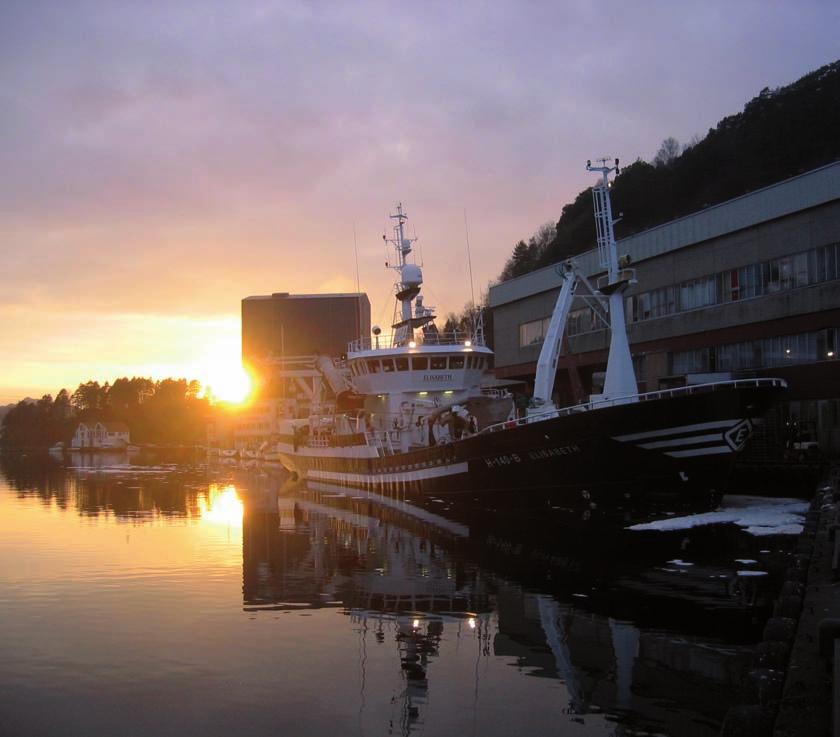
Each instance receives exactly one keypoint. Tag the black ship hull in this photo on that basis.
(681, 442)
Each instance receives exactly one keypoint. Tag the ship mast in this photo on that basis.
(620, 381)
(408, 286)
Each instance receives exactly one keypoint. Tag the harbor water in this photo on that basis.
(155, 598)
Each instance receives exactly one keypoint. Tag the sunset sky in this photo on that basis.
(161, 161)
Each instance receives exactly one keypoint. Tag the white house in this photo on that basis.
(100, 434)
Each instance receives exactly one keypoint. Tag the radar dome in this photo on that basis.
(412, 275)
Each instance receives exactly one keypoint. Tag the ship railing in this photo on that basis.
(384, 441)
(646, 397)
(398, 340)
(319, 442)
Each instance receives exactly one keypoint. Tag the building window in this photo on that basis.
(696, 293)
(582, 320)
(783, 350)
(532, 333)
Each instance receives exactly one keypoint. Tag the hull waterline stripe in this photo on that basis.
(700, 452)
(389, 478)
(678, 430)
(693, 440)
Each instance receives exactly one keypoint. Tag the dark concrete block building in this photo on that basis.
(748, 287)
(283, 325)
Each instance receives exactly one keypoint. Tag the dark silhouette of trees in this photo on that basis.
(779, 134)
(89, 396)
(526, 256)
(162, 412)
(33, 424)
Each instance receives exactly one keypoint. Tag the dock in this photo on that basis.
(794, 688)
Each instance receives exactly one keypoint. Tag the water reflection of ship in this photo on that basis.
(404, 577)
(394, 580)
(309, 553)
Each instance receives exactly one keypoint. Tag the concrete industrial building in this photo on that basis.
(284, 325)
(283, 336)
(747, 287)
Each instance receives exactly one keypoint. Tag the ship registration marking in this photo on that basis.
(539, 454)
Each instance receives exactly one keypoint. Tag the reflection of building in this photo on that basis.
(673, 680)
(100, 434)
(747, 286)
(410, 579)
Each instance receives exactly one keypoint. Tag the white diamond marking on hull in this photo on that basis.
(737, 437)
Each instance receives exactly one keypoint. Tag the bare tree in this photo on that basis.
(668, 151)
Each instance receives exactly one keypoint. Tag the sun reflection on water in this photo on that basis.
(221, 505)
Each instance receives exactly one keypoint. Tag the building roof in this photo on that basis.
(801, 192)
(286, 295)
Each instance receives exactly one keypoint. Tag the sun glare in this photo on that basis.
(230, 383)
(221, 506)
(222, 374)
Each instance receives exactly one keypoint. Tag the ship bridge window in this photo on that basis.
(456, 362)
(387, 365)
(373, 366)
(438, 363)
(401, 363)
(419, 363)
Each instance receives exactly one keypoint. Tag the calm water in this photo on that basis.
(187, 600)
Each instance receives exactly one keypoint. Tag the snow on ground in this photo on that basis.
(757, 515)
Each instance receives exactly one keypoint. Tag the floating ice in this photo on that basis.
(757, 515)
(746, 561)
(751, 573)
(678, 562)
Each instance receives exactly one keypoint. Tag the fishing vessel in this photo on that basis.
(413, 412)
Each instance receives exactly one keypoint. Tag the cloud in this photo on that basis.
(173, 158)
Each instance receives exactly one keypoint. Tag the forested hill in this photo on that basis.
(780, 133)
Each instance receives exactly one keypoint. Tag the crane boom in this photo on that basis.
(550, 353)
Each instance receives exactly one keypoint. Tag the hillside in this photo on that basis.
(779, 134)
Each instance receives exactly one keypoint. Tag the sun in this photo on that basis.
(228, 382)
(219, 368)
